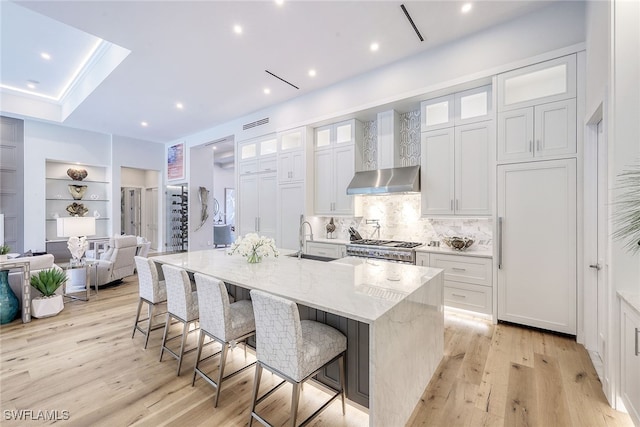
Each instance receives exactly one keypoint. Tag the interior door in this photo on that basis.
(537, 244)
(598, 266)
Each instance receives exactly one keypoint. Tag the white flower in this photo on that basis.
(250, 243)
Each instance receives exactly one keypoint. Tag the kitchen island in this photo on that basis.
(400, 303)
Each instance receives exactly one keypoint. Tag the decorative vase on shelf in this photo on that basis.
(9, 303)
(77, 191)
(254, 258)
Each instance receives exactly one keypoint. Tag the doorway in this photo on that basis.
(139, 210)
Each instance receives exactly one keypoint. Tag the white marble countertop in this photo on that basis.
(633, 299)
(356, 288)
(475, 250)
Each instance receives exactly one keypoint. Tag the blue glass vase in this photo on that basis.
(9, 303)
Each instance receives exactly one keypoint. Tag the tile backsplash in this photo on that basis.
(399, 219)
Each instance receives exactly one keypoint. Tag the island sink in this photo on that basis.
(312, 257)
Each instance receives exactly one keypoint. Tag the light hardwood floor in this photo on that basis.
(84, 361)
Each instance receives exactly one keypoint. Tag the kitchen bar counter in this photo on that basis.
(402, 304)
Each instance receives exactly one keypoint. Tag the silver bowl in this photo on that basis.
(458, 243)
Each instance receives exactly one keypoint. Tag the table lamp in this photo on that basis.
(77, 229)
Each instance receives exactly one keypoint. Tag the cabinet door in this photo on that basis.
(473, 105)
(515, 135)
(291, 140)
(290, 207)
(422, 259)
(297, 165)
(324, 180)
(248, 203)
(323, 136)
(555, 128)
(543, 82)
(630, 353)
(285, 167)
(437, 113)
(344, 132)
(343, 170)
(267, 205)
(437, 173)
(537, 242)
(473, 163)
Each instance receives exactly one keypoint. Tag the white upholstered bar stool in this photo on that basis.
(224, 323)
(152, 291)
(182, 305)
(292, 349)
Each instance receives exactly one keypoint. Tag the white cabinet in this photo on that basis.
(422, 259)
(258, 155)
(328, 250)
(291, 155)
(544, 82)
(536, 237)
(291, 198)
(630, 358)
(455, 174)
(540, 132)
(335, 160)
(467, 281)
(469, 106)
(257, 204)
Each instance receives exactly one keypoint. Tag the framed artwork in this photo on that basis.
(175, 162)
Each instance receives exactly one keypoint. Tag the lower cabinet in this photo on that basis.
(630, 357)
(467, 280)
(328, 250)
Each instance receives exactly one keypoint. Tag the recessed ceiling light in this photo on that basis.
(144, 124)
(267, 91)
(374, 47)
(45, 55)
(237, 29)
(179, 105)
(312, 73)
(466, 7)
(279, 2)
(214, 147)
(31, 84)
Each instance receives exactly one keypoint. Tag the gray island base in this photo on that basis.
(399, 306)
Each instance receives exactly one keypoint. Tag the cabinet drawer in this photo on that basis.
(248, 167)
(467, 297)
(325, 249)
(459, 268)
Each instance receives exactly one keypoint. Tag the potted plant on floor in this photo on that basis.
(47, 282)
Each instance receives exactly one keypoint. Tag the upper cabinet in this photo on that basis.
(258, 155)
(470, 106)
(539, 83)
(291, 154)
(335, 156)
(537, 111)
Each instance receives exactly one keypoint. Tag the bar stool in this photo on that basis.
(182, 305)
(292, 349)
(152, 291)
(224, 323)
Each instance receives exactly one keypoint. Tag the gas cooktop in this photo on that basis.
(386, 243)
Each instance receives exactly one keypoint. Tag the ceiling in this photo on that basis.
(172, 52)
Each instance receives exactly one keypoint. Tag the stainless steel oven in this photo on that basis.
(388, 250)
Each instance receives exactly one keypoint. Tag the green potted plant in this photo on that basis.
(4, 250)
(47, 283)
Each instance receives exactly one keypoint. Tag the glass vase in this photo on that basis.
(254, 258)
(9, 303)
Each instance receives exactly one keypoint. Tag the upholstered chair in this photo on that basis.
(224, 322)
(117, 262)
(153, 292)
(222, 235)
(182, 305)
(292, 349)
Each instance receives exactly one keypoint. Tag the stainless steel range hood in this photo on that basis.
(383, 181)
(391, 177)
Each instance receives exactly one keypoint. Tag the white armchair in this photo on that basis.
(36, 264)
(118, 261)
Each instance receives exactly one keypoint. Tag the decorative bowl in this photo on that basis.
(458, 243)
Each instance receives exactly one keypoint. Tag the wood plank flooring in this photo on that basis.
(84, 369)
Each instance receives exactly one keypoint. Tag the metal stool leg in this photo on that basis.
(135, 324)
(256, 387)
(185, 331)
(342, 380)
(198, 354)
(164, 336)
(295, 398)
(150, 311)
(223, 360)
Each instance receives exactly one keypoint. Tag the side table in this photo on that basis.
(88, 266)
(25, 266)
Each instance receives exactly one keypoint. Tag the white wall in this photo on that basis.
(45, 141)
(130, 177)
(200, 175)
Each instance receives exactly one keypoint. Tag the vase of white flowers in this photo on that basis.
(254, 247)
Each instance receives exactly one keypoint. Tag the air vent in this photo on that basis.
(256, 123)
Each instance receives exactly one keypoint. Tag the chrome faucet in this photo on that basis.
(301, 234)
(376, 227)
